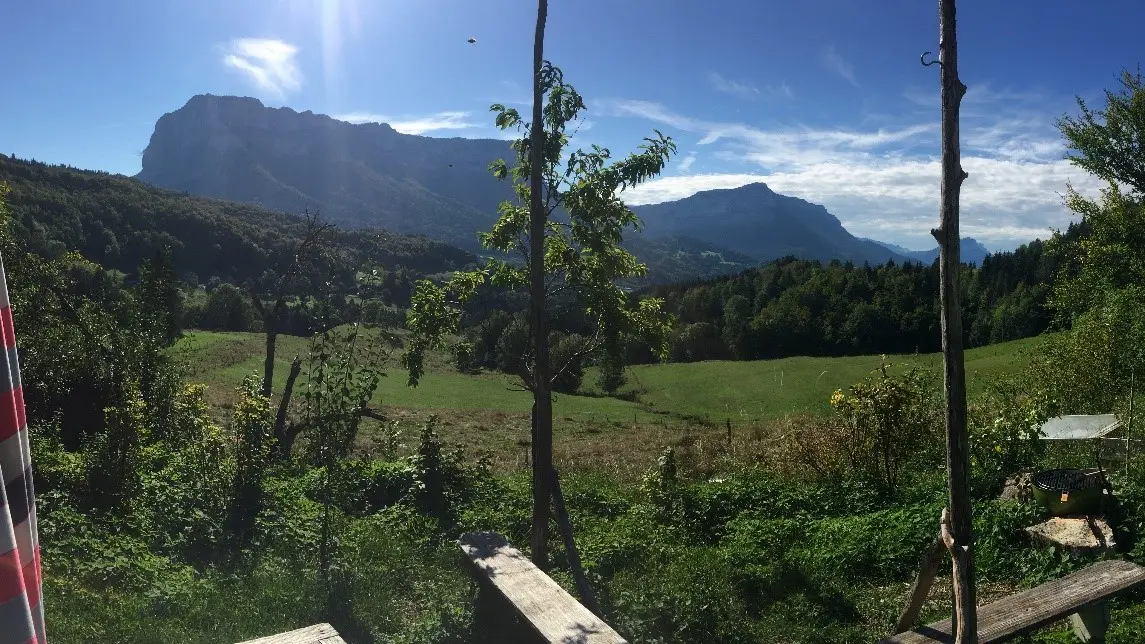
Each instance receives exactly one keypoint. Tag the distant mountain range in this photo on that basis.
(972, 252)
(369, 175)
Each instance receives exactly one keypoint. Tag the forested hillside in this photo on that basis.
(799, 307)
(119, 222)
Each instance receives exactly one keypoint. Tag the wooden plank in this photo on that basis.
(544, 605)
(1030, 609)
(316, 634)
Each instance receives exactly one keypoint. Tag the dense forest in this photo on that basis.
(798, 307)
(120, 222)
(794, 307)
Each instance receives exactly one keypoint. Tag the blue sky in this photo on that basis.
(821, 99)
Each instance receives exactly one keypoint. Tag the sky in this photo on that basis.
(821, 99)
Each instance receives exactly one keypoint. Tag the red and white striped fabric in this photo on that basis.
(21, 613)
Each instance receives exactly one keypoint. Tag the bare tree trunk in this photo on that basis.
(542, 392)
(957, 524)
(927, 569)
(282, 442)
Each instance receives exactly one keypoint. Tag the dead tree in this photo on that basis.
(303, 257)
(956, 527)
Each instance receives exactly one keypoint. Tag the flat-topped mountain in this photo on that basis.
(358, 175)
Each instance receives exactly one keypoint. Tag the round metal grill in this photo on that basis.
(1067, 480)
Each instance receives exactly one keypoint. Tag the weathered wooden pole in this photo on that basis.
(542, 387)
(956, 526)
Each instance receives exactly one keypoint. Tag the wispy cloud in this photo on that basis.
(412, 125)
(772, 148)
(836, 63)
(782, 90)
(685, 164)
(268, 63)
(883, 183)
(739, 89)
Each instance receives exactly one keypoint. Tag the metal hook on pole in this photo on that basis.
(922, 59)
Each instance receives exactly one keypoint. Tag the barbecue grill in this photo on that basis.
(1070, 491)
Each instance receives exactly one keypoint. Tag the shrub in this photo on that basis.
(891, 420)
(228, 309)
(1005, 429)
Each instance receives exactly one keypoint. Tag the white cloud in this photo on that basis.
(270, 64)
(884, 183)
(739, 89)
(836, 63)
(414, 125)
(685, 164)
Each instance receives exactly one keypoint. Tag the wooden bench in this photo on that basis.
(316, 634)
(533, 599)
(1081, 595)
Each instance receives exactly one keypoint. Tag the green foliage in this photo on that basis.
(1005, 427)
(112, 459)
(1110, 143)
(696, 342)
(1089, 368)
(793, 307)
(691, 599)
(567, 354)
(343, 369)
(121, 223)
(582, 247)
(252, 425)
(1106, 259)
(228, 309)
(892, 422)
(159, 293)
(611, 376)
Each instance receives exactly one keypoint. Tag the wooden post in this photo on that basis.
(587, 597)
(956, 526)
(542, 387)
(927, 569)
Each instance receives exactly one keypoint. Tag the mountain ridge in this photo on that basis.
(972, 252)
(368, 175)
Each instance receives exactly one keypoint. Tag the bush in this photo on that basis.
(892, 421)
(1005, 429)
(695, 342)
(229, 309)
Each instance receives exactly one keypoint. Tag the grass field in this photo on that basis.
(669, 404)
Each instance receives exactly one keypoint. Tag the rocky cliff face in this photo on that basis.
(357, 175)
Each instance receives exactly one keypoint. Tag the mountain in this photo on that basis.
(758, 222)
(972, 252)
(363, 175)
(371, 176)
